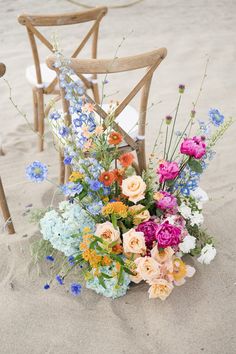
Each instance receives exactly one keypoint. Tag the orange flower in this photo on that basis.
(117, 249)
(117, 208)
(126, 159)
(106, 261)
(118, 175)
(115, 138)
(107, 178)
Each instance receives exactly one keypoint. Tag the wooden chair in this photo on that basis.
(3, 201)
(150, 61)
(43, 80)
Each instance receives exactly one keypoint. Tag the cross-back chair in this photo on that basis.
(150, 61)
(3, 200)
(43, 80)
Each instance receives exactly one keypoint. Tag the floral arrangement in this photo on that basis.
(117, 227)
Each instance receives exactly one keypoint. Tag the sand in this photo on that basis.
(198, 317)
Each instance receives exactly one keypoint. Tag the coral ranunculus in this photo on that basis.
(126, 159)
(107, 178)
(193, 147)
(167, 171)
(149, 228)
(115, 138)
(168, 235)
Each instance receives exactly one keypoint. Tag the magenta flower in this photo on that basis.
(168, 170)
(168, 201)
(168, 235)
(193, 147)
(149, 228)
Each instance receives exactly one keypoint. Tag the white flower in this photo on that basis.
(200, 195)
(208, 253)
(196, 219)
(185, 211)
(189, 243)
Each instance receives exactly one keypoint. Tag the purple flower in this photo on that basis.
(166, 201)
(75, 289)
(149, 228)
(167, 171)
(193, 147)
(168, 235)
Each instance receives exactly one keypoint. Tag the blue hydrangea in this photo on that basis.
(71, 189)
(58, 227)
(37, 171)
(216, 117)
(75, 289)
(112, 290)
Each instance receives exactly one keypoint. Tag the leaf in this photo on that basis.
(195, 165)
(93, 244)
(76, 235)
(117, 258)
(101, 281)
(127, 270)
(106, 276)
(121, 276)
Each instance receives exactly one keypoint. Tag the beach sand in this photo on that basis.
(198, 317)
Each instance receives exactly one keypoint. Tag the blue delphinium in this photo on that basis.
(64, 131)
(216, 117)
(75, 289)
(54, 115)
(94, 185)
(37, 171)
(71, 188)
(67, 160)
(49, 258)
(95, 208)
(59, 279)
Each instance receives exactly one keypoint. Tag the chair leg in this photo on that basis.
(35, 107)
(96, 93)
(62, 168)
(141, 156)
(5, 210)
(40, 118)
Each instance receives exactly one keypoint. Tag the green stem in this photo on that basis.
(173, 126)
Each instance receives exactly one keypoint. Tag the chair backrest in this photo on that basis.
(33, 21)
(149, 60)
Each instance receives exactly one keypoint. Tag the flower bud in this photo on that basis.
(181, 88)
(168, 120)
(193, 113)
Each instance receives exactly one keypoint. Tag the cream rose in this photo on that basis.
(134, 242)
(139, 217)
(134, 188)
(107, 232)
(148, 268)
(137, 277)
(162, 256)
(160, 288)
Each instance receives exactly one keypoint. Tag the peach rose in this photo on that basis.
(134, 187)
(148, 268)
(107, 232)
(162, 256)
(160, 288)
(136, 278)
(134, 242)
(139, 217)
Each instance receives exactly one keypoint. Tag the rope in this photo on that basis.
(78, 3)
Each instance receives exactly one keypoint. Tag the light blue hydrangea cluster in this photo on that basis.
(59, 226)
(112, 289)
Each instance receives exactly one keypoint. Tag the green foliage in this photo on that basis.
(40, 249)
(37, 214)
(195, 165)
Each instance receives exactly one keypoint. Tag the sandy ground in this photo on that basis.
(198, 317)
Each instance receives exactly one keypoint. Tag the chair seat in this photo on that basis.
(48, 75)
(127, 119)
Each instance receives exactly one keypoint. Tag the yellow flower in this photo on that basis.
(75, 176)
(180, 270)
(86, 229)
(117, 208)
(83, 246)
(86, 255)
(106, 261)
(158, 196)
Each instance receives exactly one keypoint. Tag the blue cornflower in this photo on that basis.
(59, 280)
(64, 131)
(75, 289)
(94, 185)
(71, 260)
(49, 258)
(106, 190)
(67, 160)
(216, 117)
(71, 188)
(46, 286)
(95, 208)
(77, 122)
(54, 115)
(37, 171)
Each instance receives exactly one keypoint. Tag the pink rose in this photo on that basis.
(168, 170)
(168, 235)
(193, 147)
(149, 229)
(166, 201)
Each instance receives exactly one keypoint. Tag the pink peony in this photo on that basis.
(167, 201)
(168, 235)
(149, 228)
(168, 170)
(193, 147)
